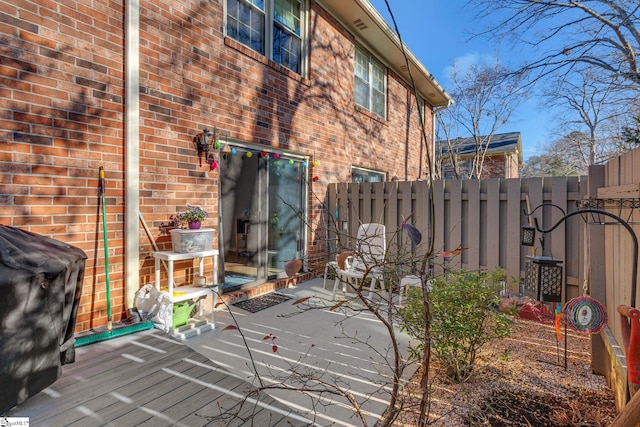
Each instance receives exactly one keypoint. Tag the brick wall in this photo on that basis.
(501, 166)
(61, 117)
(61, 93)
(494, 167)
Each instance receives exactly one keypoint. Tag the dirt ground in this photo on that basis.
(522, 381)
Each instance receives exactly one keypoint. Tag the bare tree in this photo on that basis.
(565, 156)
(444, 126)
(616, 134)
(597, 123)
(591, 105)
(486, 96)
(631, 131)
(562, 34)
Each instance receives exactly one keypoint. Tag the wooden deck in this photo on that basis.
(148, 378)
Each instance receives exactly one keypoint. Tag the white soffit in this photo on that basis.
(372, 31)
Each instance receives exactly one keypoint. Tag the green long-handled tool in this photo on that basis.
(106, 247)
(110, 332)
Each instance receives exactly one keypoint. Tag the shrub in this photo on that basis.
(464, 316)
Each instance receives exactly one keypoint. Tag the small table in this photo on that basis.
(189, 292)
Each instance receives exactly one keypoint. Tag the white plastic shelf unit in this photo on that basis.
(189, 292)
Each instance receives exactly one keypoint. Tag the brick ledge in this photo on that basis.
(264, 288)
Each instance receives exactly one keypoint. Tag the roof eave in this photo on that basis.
(373, 32)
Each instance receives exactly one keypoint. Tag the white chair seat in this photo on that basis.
(372, 247)
(408, 282)
(350, 277)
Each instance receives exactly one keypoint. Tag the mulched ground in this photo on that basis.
(521, 381)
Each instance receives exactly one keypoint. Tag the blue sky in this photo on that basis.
(436, 31)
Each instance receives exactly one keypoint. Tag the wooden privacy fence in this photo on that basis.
(615, 188)
(484, 216)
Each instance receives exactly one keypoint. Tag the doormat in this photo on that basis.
(256, 304)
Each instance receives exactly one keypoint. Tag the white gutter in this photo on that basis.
(132, 151)
(392, 36)
(370, 30)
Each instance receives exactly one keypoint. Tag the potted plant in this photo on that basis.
(194, 216)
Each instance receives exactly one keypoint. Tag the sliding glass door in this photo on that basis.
(286, 213)
(262, 204)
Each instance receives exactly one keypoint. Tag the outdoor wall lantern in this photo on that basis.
(206, 141)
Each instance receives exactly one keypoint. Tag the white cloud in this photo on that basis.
(465, 62)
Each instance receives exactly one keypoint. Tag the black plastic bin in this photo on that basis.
(40, 287)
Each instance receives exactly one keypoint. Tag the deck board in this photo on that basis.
(81, 386)
(209, 397)
(167, 392)
(146, 379)
(156, 389)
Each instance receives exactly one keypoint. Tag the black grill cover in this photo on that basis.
(40, 287)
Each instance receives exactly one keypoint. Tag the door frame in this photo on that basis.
(226, 147)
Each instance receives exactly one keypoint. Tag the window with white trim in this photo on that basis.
(370, 83)
(367, 175)
(275, 28)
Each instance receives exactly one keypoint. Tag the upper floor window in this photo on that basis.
(272, 27)
(370, 83)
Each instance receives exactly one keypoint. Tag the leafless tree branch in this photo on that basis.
(601, 33)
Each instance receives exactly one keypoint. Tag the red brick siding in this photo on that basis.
(60, 119)
(501, 166)
(494, 167)
(62, 116)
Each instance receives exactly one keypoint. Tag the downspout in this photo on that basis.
(304, 253)
(433, 140)
(132, 151)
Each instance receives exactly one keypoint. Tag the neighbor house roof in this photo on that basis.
(501, 143)
(372, 31)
